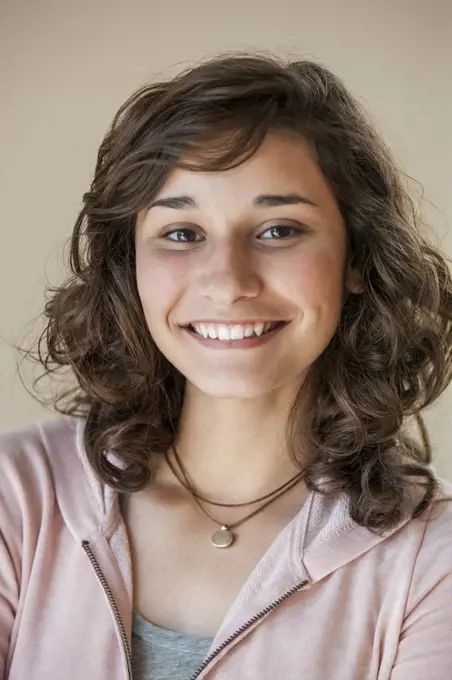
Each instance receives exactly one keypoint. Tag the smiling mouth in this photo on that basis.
(237, 343)
(225, 337)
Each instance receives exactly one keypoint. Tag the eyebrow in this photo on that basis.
(263, 201)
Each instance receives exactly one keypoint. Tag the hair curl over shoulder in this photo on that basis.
(391, 354)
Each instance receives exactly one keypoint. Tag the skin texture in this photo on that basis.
(231, 433)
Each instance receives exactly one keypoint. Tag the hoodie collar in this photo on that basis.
(89, 507)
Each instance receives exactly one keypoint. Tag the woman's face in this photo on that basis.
(241, 257)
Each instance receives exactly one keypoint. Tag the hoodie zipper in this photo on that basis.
(269, 608)
(125, 643)
(128, 654)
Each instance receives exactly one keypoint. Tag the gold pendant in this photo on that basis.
(223, 538)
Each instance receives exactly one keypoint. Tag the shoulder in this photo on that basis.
(30, 447)
(44, 473)
(29, 456)
(26, 488)
(432, 572)
(436, 522)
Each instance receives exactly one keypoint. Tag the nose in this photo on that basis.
(228, 274)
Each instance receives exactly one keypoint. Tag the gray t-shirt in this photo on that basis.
(159, 654)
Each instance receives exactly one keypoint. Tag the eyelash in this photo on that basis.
(297, 231)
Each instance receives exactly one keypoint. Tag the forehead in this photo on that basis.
(283, 161)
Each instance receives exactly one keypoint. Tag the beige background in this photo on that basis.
(67, 66)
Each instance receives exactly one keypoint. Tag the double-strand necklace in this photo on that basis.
(224, 537)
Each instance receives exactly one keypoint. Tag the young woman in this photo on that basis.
(230, 490)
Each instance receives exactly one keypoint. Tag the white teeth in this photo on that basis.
(209, 331)
(222, 332)
(225, 333)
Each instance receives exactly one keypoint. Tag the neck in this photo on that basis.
(234, 450)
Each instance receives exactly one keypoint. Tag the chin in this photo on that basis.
(230, 387)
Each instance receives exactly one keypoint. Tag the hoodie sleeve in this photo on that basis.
(425, 644)
(11, 540)
(9, 595)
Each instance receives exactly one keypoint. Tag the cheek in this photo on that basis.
(316, 280)
(158, 285)
(317, 293)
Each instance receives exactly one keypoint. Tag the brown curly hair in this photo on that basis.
(391, 354)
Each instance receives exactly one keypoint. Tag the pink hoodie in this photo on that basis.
(328, 601)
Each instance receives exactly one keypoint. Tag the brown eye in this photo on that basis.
(282, 230)
(186, 235)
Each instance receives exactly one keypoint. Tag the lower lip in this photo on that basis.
(235, 344)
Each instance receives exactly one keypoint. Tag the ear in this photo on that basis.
(353, 281)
